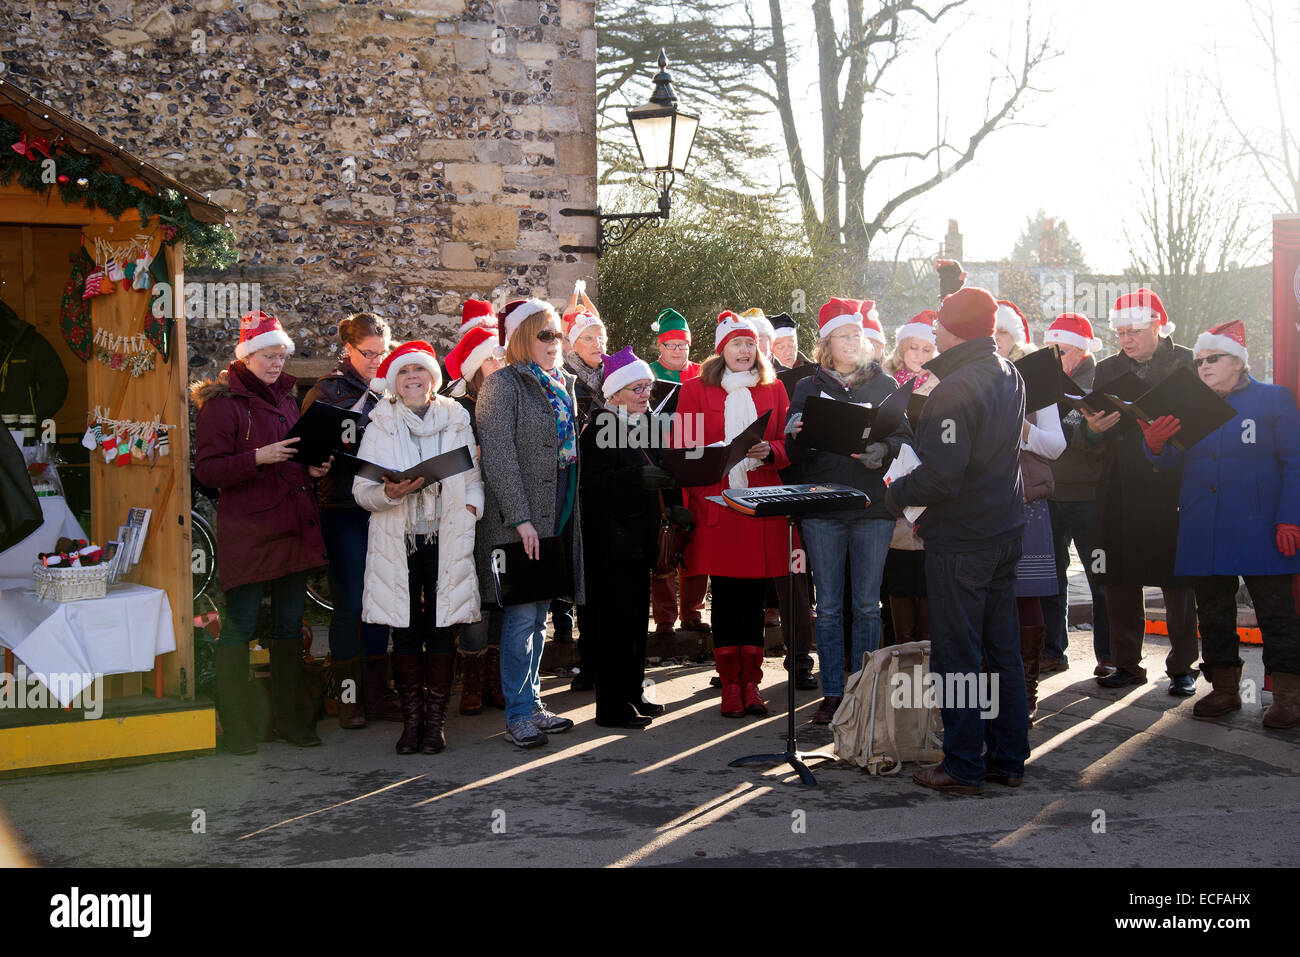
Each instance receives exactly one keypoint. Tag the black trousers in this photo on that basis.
(614, 620)
(422, 579)
(738, 606)
(1216, 611)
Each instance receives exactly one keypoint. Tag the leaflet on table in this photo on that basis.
(904, 462)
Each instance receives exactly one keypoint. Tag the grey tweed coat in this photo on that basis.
(520, 453)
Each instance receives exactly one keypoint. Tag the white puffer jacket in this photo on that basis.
(386, 596)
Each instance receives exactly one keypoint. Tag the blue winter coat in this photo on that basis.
(1237, 491)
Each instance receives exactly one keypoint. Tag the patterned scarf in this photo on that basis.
(558, 396)
(903, 377)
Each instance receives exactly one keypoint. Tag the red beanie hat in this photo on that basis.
(969, 313)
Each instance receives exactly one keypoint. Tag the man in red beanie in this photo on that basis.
(968, 440)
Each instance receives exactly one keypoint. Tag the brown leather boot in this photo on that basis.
(352, 713)
(1285, 710)
(1226, 696)
(471, 681)
(408, 674)
(379, 700)
(1031, 650)
(903, 612)
(437, 694)
(922, 619)
(492, 677)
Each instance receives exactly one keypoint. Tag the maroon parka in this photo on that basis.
(267, 523)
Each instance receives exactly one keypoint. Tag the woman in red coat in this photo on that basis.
(268, 530)
(735, 386)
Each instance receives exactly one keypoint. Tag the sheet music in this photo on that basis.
(904, 462)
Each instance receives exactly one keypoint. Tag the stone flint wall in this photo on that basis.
(396, 155)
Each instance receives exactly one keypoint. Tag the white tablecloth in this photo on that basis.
(117, 634)
(16, 562)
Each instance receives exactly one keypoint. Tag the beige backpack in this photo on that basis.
(882, 720)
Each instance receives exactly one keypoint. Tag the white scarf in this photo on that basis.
(738, 414)
(405, 425)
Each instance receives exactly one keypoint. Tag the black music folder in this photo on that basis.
(1199, 408)
(520, 580)
(790, 377)
(435, 469)
(1126, 387)
(663, 396)
(892, 412)
(1042, 372)
(915, 403)
(834, 426)
(321, 431)
(708, 464)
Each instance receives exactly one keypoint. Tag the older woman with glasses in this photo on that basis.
(366, 340)
(1239, 515)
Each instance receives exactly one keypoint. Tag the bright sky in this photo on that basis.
(1120, 59)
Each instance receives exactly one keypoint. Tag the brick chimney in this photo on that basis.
(952, 242)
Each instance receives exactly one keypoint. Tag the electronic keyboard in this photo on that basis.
(794, 500)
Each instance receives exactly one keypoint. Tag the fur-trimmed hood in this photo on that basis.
(205, 390)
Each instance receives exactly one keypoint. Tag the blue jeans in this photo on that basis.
(523, 633)
(244, 602)
(1074, 520)
(483, 633)
(831, 542)
(346, 531)
(975, 629)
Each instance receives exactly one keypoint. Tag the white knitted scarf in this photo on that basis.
(738, 414)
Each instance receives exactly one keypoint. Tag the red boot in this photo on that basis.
(727, 660)
(751, 673)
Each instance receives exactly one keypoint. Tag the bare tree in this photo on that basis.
(855, 59)
(1276, 151)
(1193, 227)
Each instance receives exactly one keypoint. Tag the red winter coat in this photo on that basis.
(267, 524)
(724, 541)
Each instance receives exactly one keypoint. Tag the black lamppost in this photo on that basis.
(664, 135)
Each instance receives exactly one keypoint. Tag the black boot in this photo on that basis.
(232, 697)
(438, 673)
(408, 676)
(286, 689)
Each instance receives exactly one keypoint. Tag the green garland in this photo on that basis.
(207, 245)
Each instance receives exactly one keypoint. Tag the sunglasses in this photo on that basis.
(1210, 359)
(549, 335)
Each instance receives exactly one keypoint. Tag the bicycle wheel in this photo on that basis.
(318, 589)
(203, 554)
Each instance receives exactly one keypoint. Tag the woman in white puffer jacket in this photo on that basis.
(420, 576)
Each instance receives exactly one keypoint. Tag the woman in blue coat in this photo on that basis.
(1239, 515)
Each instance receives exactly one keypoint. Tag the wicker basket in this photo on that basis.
(71, 584)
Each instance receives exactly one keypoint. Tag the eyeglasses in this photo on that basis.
(1210, 359)
(674, 346)
(1130, 332)
(638, 389)
(549, 335)
(276, 358)
(368, 354)
(846, 336)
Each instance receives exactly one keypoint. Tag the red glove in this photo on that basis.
(1159, 432)
(1288, 539)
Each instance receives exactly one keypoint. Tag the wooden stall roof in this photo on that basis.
(30, 113)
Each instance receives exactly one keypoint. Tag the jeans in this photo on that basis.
(244, 602)
(862, 544)
(346, 532)
(484, 633)
(1074, 520)
(974, 628)
(523, 633)
(1216, 609)
(423, 632)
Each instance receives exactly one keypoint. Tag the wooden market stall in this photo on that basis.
(69, 197)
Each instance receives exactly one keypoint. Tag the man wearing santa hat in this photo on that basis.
(1137, 505)
(1073, 501)
(968, 440)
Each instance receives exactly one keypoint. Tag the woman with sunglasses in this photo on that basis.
(359, 650)
(1239, 515)
(528, 428)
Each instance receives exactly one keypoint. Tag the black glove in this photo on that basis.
(655, 479)
(892, 506)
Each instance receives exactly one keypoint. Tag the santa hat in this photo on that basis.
(259, 331)
(576, 323)
(515, 312)
(1011, 319)
(1072, 329)
(670, 325)
(783, 325)
(622, 369)
(969, 313)
(475, 347)
(921, 326)
(871, 327)
(417, 352)
(843, 312)
(1229, 337)
(476, 312)
(1138, 309)
(759, 321)
(729, 327)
